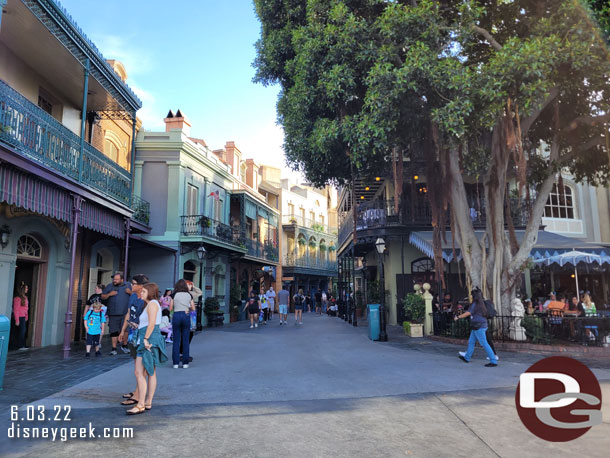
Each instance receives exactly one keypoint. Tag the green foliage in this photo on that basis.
(211, 305)
(372, 291)
(534, 330)
(414, 307)
(235, 295)
(407, 327)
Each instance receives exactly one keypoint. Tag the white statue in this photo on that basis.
(517, 332)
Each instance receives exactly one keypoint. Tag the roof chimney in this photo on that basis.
(177, 121)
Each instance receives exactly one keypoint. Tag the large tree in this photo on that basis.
(505, 91)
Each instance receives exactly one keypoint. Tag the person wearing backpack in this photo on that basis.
(94, 325)
(299, 302)
(478, 328)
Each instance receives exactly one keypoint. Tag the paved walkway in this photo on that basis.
(319, 390)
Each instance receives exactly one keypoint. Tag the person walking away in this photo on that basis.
(324, 302)
(21, 306)
(308, 303)
(182, 304)
(299, 303)
(318, 299)
(253, 308)
(478, 327)
(95, 320)
(150, 352)
(271, 301)
(117, 296)
(283, 298)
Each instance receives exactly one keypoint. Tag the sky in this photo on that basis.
(195, 56)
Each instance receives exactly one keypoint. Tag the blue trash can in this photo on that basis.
(5, 329)
(374, 324)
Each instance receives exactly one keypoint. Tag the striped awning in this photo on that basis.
(101, 220)
(30, 193)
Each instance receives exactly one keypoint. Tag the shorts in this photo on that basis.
(283, 309)
(253, 310)
(93, 340)
(115, 323)
(298, 307)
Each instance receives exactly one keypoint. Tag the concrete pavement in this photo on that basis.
(322, 389)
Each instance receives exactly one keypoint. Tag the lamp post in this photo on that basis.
(201, 257)
(380, 245)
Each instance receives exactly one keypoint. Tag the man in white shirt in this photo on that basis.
(264, 305)
(271, 300)
(324, 301)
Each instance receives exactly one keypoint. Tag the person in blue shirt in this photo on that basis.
(94, 324)
(478, 327)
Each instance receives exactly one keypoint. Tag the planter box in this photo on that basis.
(416, 330)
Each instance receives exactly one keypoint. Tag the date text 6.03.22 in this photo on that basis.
(40, 413)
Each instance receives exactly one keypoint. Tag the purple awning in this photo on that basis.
(101, 220)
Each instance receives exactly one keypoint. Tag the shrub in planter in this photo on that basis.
(211, 305)
(415, 311)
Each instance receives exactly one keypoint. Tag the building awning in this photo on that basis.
(139, 242)
(548, 244)
(103, 221)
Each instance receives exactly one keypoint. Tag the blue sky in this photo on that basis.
(193, 55)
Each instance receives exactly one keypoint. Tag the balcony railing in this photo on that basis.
(310, 263)
(378, 214)
(298, 220)
(200, 225)
(40, 137)
(262, 250)
(141, 210)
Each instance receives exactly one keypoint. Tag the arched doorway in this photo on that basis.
(31, 270)
(423, 271)
(190, 269)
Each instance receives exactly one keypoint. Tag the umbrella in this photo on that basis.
(573, 257)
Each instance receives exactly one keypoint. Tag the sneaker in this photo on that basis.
(463, 353)
(281, 323)
(185, 366)
(251, 326)
(87, 355)
(113, 352)
(23, 349)
(176, 366)
(285, 322)
(98, 353)
(497, 358)
(463, 359)
(125, 349)
(491, 365)
(256, 325)
(300, 322)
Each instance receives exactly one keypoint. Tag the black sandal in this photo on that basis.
(127, 395)
(129, 402)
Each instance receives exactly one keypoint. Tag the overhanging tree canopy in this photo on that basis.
(505, 91)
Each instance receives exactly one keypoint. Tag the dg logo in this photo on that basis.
(559, 399)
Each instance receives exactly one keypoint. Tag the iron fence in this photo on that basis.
(538, 329)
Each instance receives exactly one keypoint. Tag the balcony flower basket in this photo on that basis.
(301, 242)
(322, 247)
(332, 248)
(204, 221)
(312, 245)
(317, 227)
(414, 307)
(293, 220)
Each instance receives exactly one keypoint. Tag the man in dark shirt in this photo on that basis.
(116, 296)
(318, 298)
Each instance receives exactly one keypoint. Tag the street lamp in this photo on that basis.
(201, 257)
(380, 245)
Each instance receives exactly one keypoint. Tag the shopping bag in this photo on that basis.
(193, 320)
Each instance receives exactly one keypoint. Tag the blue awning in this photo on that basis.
(548, 244)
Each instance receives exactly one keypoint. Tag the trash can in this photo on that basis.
(5, 329)
(374, 324)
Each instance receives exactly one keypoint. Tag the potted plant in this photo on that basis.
(204, 221)
(415, 312)
(293, 220)
(212, 311)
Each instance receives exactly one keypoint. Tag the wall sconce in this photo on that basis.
(361, 197)
(377, 179)
(4, 233)
(367, 188)
(416, 177)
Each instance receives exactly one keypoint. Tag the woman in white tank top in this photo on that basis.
(150, 348)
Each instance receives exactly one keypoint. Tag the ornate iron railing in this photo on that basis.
(208, 227)
(40, 137)
(262, 250)
(310, 263)
(298, 220)
(141, 210)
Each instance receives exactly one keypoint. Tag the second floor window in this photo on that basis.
(312, 217)
(217, 213)
(111, 150)
(560, 203)
(192, 196)
(291, 209)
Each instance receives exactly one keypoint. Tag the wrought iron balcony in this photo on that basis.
(260, 250)
(312, 263)
(297, 220)
(201, 225)
(38, 136)
(380, 214)
(141, 210)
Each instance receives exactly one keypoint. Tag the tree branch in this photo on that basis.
(589, 120)
(527, 122)
(492, 41)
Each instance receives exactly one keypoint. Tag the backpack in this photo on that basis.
(491, 309)
(298, 299)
